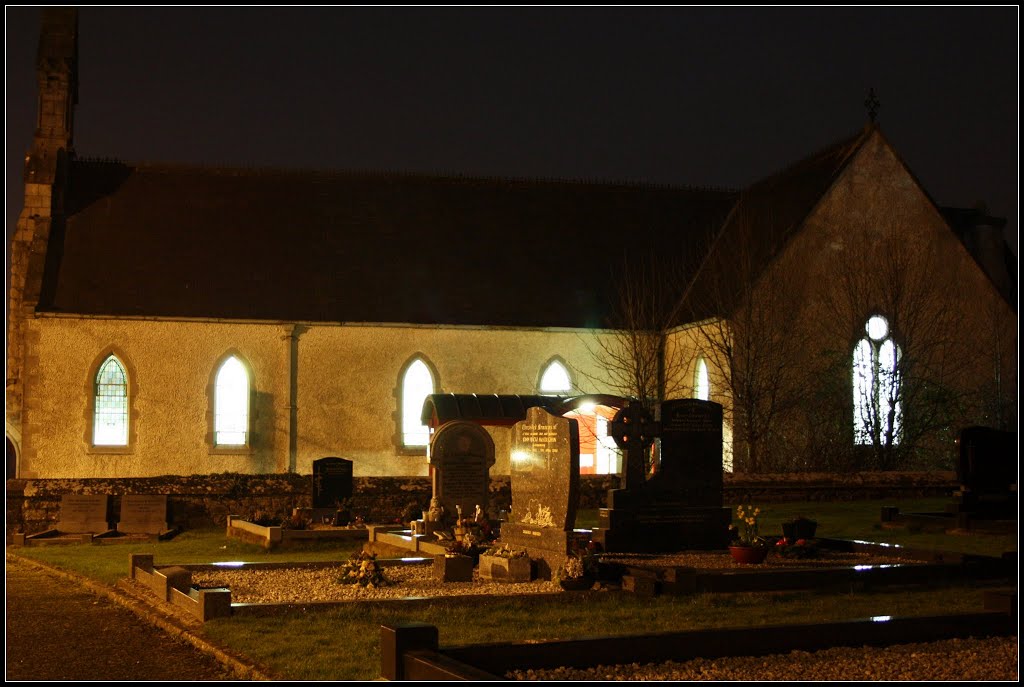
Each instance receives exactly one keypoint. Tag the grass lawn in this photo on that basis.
(343, 643)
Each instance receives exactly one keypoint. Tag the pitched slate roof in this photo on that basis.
(358, 247)
(765, 217)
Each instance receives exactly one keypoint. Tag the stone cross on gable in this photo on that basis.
(872, 104)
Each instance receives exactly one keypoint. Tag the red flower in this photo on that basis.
(782, 542)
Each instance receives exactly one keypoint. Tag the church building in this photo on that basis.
(177, 320)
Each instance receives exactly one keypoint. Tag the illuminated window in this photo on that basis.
(876, 386)
(701, 385)
(231, 404)
(417, 384)
(110, 409)
(555, 378)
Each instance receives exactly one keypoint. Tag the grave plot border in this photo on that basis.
(412, 652)
(946, 522)
(275, 537)
(936, 566)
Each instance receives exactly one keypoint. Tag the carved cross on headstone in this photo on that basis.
(633, 430)
(872, 104)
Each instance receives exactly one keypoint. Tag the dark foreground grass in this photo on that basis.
(343, 643)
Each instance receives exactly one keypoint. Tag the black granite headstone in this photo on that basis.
(461, 455)
(680, 507)
(332, 482)
(987, 472)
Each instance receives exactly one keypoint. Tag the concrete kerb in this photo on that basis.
(129, 599)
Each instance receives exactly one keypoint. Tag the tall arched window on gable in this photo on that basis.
(555, 378)
(416, 384)
(701, 382)
(110, 404)
(231, 404)
(877, 415)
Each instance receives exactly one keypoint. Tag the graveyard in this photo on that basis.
(457, 593)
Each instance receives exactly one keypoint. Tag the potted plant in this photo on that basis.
(578, 572)
(748, 545)
(506, 563)
(799, 528)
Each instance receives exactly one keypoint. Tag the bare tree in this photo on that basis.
(911, 378)
(751, 338)
(635, 357)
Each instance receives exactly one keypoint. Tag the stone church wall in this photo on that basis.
(198, 501)
(344, 401)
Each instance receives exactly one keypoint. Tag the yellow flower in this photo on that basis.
(757, 511)
(751, 521)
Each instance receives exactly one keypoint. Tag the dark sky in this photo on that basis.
(713, 96)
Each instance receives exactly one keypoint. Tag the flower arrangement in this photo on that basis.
(578, 565)
(362, 569)
(747, 532)
(505, 551)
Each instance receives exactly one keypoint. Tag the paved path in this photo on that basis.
(58, 629)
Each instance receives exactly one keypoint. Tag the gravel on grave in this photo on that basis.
(970, 659)
(298, 585)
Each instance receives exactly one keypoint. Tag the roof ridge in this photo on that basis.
(254, 170)
(846, 142)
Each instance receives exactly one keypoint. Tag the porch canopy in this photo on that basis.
(500, 409)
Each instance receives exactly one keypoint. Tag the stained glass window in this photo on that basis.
(110, 410)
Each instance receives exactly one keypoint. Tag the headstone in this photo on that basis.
(461, 455)
(332, 482)
(545, 475)
(143, 514)
(84, 513)
(987, 472)
(680, 507)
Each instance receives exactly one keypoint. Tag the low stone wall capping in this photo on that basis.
(207, 500)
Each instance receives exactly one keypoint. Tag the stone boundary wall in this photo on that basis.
(204, 500)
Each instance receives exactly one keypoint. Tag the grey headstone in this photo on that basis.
(545, 477)
(84, 513)
(143, 514)
(545, 470)
(332, 481)
(461, 455)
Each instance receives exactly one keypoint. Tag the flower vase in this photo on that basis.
(576, 584)
(748, 554)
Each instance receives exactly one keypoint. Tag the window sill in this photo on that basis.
(230, 450)
(110, 450)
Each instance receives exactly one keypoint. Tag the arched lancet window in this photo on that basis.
(110, 407)
(877, 416)
(555, 378)
(231, 404)
(417, 384)
(701, 383)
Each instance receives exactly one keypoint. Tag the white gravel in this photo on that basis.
(954, 659)
(296, 585)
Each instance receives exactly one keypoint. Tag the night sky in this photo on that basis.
(712, 96)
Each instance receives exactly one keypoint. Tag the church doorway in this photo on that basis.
(12, 459)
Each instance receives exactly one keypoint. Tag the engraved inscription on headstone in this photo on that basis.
(545, 467)
(332, 481)
(143, 514)
(84, 513)
(461, 454)
(691, 451)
